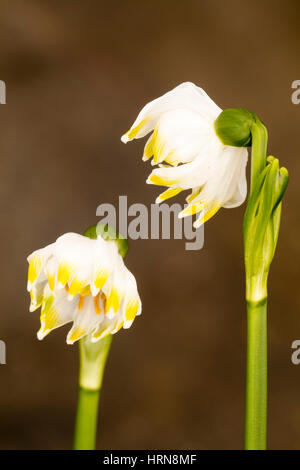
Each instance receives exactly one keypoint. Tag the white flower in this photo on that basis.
(84, 281)
(184, 138)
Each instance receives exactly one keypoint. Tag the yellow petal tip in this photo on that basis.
(33, 307)
(127, 324)
(42, 333)
(125, 138)
(75, 335)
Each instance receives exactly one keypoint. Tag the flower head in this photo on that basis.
(190, 153)
(85, 281)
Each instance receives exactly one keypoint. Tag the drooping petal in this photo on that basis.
(180, 136)
(107, 327)
(37, 293)
(51, 269)
(105, 255)
(86, 319)
(226, 183)
(115, 288)
(193, 194)
(185, 95)
(240, 182)
(189, 175)
(207, 213)
(171, 192)
(74, 254)
(36, 261)
(148, 149)
(132, 305)
(56, 311)
(223, 184)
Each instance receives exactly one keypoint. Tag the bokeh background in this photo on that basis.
(77, 73)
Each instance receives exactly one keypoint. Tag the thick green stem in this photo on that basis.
(93, 358)
(86, 419)
(256, 388)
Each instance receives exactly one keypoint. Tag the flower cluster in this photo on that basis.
(84, 281)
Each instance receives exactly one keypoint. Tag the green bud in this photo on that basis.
(108, 233)
(233, 127)
(261, 227)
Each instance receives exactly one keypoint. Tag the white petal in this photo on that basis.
(132, 305)
(188, 175)
(185, 95)
(37, 293)
(181, 135)
(86, 320)
(105, 255)
(56, 311)
(108, 326)
(75, 258)
(51, 269)
(225, 186)
(37, 261)
(115, 287)
(240, 183)
(222, 186)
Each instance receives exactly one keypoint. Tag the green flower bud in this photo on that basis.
(233, 127)
(108, 233)
(261, 226)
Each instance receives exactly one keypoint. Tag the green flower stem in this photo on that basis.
(239, 127)
(86, 419)
(256, 297)
(93, 358)
(256, 388)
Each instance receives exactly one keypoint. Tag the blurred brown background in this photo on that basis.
(77, 73)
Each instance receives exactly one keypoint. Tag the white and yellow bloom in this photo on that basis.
(185, 145)
(84, 281)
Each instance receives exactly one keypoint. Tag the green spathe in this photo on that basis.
(261, 227)
(233, 127)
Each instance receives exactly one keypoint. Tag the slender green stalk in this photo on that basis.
(256, 387)
(93, 358)
(256, 297)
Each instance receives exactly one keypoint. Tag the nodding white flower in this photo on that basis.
(84, 281)
(189, 152)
